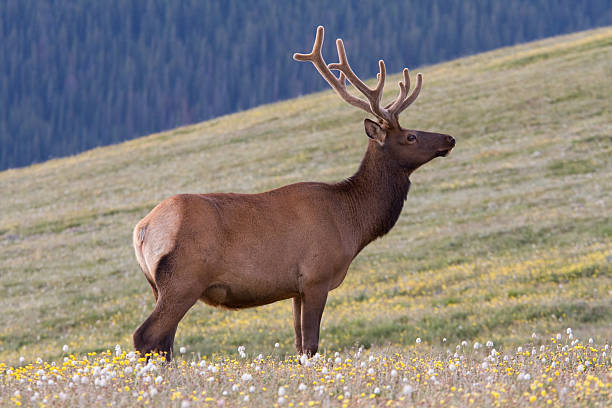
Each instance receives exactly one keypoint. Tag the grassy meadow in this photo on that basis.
(508, 236)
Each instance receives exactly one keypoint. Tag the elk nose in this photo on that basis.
(450, 140)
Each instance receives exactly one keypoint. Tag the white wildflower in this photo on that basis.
(251, 388)
(377, 391)
(302, 387)
(246, 398)
(393, 373)
(281, 391)
(418, 340)
(591, 340)
(158, 379)
(452, 367)
(185, 404)
(117, 350)
(407, 389)
(246, 377)
(276, 345)
(281, 400)
(489, 344)
(580, 368)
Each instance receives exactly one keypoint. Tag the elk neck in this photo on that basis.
(372, 199)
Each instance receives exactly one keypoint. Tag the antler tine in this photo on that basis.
(316, 48)
(374, 95)
(338, 84)
(402, 102)
(403, 86)
(413, 95)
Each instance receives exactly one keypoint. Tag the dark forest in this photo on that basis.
(80, 74)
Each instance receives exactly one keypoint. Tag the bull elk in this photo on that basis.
(298, 241)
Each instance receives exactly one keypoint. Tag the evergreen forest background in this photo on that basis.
(76, 74)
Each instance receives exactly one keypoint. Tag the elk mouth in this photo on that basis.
(443, 153)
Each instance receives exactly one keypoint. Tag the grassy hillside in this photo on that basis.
(509, 235)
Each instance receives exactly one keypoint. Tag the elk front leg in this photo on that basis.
(313, 303)
(297, 324)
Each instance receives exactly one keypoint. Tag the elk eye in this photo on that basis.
(411, 138)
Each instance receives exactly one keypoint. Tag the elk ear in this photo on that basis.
(375, 131)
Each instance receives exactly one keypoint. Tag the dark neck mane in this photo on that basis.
(373, 196)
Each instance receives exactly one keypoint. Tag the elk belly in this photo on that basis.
(234, 296)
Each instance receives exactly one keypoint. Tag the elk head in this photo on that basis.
(408, 148)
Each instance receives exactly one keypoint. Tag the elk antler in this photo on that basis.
(389, 113)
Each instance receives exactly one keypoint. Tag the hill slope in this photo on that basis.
(508, 235)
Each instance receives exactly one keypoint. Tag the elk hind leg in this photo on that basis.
(175, 298)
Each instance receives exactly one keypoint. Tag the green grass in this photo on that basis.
(509, 235)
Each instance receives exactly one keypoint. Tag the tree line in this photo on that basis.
(76, 74)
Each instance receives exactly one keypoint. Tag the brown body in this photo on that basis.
(245, 250)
